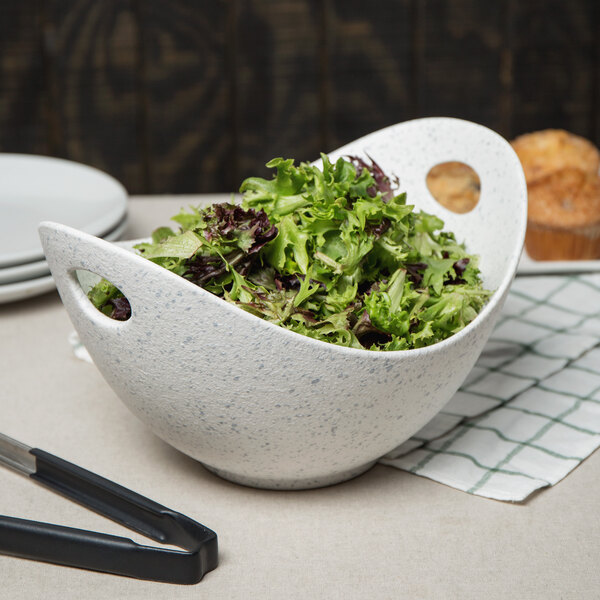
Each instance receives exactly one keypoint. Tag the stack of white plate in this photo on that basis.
(39, 188)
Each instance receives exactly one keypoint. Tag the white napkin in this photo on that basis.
(529, 411)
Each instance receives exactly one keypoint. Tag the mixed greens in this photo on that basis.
(333, 254)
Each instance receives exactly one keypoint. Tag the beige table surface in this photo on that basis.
(386, 534)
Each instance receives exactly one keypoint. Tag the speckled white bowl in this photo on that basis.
(266, 407)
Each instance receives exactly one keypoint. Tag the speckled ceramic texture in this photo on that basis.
(266, 407)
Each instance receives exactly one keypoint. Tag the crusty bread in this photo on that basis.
(543, 152)
(564, 216)
(561, 170)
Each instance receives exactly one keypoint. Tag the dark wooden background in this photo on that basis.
(177, 96)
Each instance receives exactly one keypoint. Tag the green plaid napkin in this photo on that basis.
(529, 412)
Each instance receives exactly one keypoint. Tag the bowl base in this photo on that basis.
(272, 483)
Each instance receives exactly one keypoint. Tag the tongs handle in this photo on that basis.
(109, 553)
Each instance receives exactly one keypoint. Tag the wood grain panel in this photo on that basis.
(277, 82)
(554, 47)
(22, 108)
(188, 95)
(460, 56)
(595, 107)
(370, 76)
(91, 62)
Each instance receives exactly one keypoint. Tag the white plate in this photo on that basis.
(39, 188)
(26, 289)
(29, 288)
(39, 268)
(23, 272)
(529, 266)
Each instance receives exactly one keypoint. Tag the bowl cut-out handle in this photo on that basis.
(68, 250)
(409, 150)
(495, 229)
(455, 185)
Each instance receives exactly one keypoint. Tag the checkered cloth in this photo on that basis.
(529, 412)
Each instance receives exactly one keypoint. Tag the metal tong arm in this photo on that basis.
(97, 551)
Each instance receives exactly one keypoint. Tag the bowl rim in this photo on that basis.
(482, 316)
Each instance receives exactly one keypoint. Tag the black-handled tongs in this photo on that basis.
(98, 551)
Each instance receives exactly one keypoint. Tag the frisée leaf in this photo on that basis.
(334, 253)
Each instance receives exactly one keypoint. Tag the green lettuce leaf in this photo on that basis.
(334, 253)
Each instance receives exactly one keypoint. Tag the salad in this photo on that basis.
(333, 253)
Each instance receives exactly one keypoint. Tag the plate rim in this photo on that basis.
(97, 227)
(529, 266)
(22, 292)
